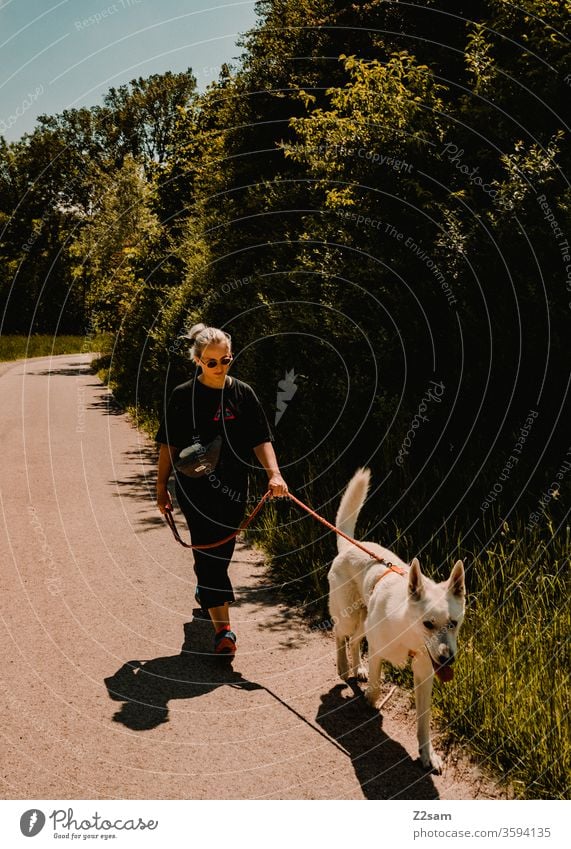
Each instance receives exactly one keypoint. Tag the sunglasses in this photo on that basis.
(224, 361)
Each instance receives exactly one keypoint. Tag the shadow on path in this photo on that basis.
(147, 686)
(383, 767)
(106, 403)
(139, 485)
(71, 370)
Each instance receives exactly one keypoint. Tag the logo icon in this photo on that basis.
(228, 413)
(32, 822)
(286, 390)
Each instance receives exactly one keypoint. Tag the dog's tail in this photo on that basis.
(351, 504)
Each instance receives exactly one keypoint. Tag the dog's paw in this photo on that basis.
(361, 674)
(430, 760)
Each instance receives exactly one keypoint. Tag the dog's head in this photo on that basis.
(439, 611)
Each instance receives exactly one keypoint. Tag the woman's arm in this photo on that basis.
(166, 454)
(267, 457)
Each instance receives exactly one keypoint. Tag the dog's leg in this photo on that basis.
(342, 665)
(423, 678)
(373, 691)
(358, 669)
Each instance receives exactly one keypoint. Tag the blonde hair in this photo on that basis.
(201, 336)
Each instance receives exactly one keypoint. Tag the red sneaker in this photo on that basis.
(225, 642)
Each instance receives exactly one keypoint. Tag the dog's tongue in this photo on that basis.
(445, 673)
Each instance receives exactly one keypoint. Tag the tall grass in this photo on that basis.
(45, 345)
(510, 694)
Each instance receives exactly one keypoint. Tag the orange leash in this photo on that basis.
(171, 523)
(390, 566)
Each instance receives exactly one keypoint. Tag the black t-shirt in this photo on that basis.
(234, 412)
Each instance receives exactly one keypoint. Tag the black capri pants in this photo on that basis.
(213, 510)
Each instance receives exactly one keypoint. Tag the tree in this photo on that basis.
(141, 116)
(114, 236)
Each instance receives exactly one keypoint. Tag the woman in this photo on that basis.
(214, 504)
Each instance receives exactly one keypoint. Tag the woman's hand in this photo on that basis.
(277, 485)
(166, 454)
(164, 502)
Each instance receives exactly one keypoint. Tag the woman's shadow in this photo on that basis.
(383, 767)
(146, 686)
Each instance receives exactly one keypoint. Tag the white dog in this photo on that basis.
(401, 615)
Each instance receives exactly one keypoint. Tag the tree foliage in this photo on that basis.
(367, 200)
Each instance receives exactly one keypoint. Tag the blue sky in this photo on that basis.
(61, 54)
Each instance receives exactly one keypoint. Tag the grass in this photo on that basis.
(509, 698)
(510, 694)
(44, 345)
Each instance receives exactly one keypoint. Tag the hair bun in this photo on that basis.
(195, 330)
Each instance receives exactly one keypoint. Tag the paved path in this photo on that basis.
(96, 603)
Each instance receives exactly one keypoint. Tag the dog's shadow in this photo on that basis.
(147, 686)
(383, 767)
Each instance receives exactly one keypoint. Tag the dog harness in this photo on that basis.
(390, 568)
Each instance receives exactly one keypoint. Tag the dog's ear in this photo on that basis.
(415, 582)
(456, 581)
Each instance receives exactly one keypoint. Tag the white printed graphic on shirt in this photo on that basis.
(286, 390)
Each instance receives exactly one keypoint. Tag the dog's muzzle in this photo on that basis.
(443, 666)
